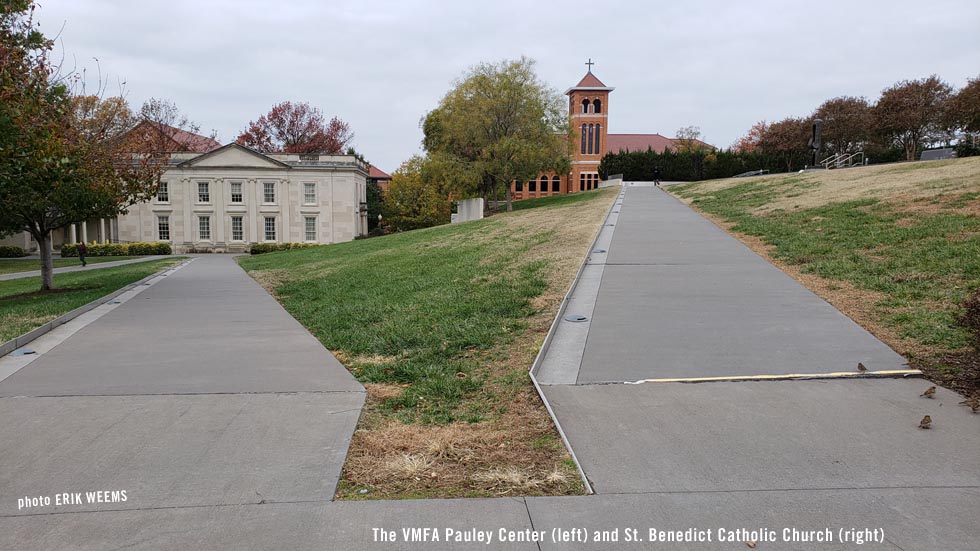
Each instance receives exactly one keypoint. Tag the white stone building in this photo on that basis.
(226, 199)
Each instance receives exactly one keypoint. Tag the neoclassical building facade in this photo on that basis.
(226, 199)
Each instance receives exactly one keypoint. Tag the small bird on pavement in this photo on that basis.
(974, 404)
(929, 393)
(750, 544)
(861, 367)
(925, 423)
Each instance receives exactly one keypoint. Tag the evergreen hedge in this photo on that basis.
(119, 249)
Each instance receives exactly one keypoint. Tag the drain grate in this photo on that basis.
(23, 352)
(576, 318)
(598, 250)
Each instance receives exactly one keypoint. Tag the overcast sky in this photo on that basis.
(381, 65)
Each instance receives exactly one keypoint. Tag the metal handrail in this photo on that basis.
(842, 160)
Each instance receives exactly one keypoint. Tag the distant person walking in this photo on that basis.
(656, 176)
(82, 251)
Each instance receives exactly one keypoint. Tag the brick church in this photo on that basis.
(588, 113)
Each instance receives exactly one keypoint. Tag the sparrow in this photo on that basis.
(861, 367)
(972, 402)
(929, 393)
(750, 544)
(925, 423)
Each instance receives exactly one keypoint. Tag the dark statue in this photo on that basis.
(815, 141)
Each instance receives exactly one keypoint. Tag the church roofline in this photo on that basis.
(590, 89)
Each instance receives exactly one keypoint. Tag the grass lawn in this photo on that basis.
(14, 265)
(441, 326)
(22, 308)
(896, 247)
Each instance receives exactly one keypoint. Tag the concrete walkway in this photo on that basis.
(91, 266)
(679, 298)
(227, 470)
(200, 391)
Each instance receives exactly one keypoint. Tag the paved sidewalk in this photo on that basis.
(91, 266)
(199, 391)
(237, 467)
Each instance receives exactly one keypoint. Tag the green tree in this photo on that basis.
(375, 204)
(59, 163)
(415, 199)
(499, 123)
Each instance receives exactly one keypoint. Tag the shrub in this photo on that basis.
(970, 319)
(260, 248)
(11, 251)
(69, 250)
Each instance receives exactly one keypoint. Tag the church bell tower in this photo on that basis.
(588, 112)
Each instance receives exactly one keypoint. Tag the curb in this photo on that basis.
(547, 344)
(17, 342)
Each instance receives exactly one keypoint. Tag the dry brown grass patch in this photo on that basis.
(270, 280)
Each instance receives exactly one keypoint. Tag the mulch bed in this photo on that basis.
(956, 371)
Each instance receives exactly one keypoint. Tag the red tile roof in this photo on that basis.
(590, 81)
(638, 142)
(375, 172)
(179, 140)
(193, 142)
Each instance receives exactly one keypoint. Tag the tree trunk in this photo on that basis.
(510, 205)
(47, 262)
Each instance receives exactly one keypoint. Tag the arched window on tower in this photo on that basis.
(598, 134)
(585, 106)
(555, 184)
(584, 136)
(597, 106)
(591, 137)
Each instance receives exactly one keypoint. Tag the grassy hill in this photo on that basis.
(896, 247)
(441, 326)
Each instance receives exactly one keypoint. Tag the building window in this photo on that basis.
(584, 136)
(203, 192)
(555, 184)
(237, 233)
(270, 228)
(598, 132)
(581, 182)
(518, 186)
(309, 223)
(163, 228)
(585, 106)
(269, 192)
(597, 105)
(204, 228)
(532, 185)
(591, 136)
(309, 193)
(163, 192)
(236, 192)
(544, 184)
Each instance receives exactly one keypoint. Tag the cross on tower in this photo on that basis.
(590, 64)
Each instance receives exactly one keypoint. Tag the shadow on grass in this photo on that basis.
(47, 292)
